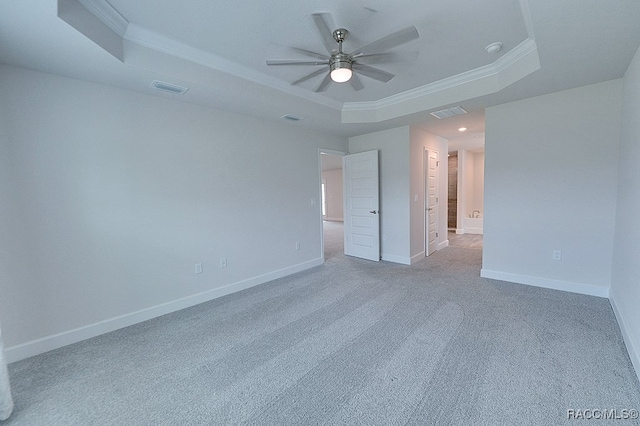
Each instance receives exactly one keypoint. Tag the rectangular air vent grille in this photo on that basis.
(169, 88)
(449, 112)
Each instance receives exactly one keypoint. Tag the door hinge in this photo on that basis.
(436, 235)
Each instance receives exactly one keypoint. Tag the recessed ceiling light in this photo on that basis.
(494, 47)
(462, 129)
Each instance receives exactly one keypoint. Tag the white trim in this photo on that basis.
(334, 219)
(508, 68)
(443, 244)
(425, 194)
(632, 348)
(107, 14)
(489, 78)
(475, 231)
(55, 341)
(505, 61)
(396, 259)
(460, 231)
(146, 38)
(418, 257)
(332, 152)
(573, 287)
(526, 14)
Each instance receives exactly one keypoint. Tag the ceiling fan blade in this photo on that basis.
(389, 42)
(374, 73)
(324, 84)
(308, 76)
(311, 54)
(321, 21)
(381, 58)
(295, 62)
(356, 83)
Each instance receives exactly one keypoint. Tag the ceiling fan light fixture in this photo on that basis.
(340, 68)
(341, 75)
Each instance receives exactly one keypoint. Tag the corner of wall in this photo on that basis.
(633, 348)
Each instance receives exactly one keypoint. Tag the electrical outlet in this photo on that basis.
(557, 255)
(198, 268)
(223, 262)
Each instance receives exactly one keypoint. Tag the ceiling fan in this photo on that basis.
(343, 66)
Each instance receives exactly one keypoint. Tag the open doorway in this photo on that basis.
(466, 190)
(332, 203)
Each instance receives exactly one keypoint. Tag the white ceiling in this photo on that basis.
(218, 50)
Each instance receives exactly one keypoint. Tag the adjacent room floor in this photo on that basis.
(473, 241)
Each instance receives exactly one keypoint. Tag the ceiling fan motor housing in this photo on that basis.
(340, 35)
(340, 60)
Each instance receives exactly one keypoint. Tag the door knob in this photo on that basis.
(373, 211)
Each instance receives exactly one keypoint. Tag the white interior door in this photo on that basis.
(361, 205)
(431, 200)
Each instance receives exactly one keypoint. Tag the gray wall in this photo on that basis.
(108, 199)
(393, 146)
(625, 280)
(550, 184)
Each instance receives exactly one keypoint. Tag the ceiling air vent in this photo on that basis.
(291, 117)
(449, 112)
(169, 88)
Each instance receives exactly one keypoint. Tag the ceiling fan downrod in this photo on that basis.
(340, 64)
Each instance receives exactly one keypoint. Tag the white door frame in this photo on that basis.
(425, 168)
(319, 198)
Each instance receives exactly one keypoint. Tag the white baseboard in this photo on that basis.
(459, 231)
(55, 341)
(418, 257)
(396, 259)
(475, 231)
(573, 287)
(334, 219)
(632, 347)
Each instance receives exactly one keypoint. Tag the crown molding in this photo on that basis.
(509, 68)
(106, 13)
(512, 66)
(145, 38)
(526, 15)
